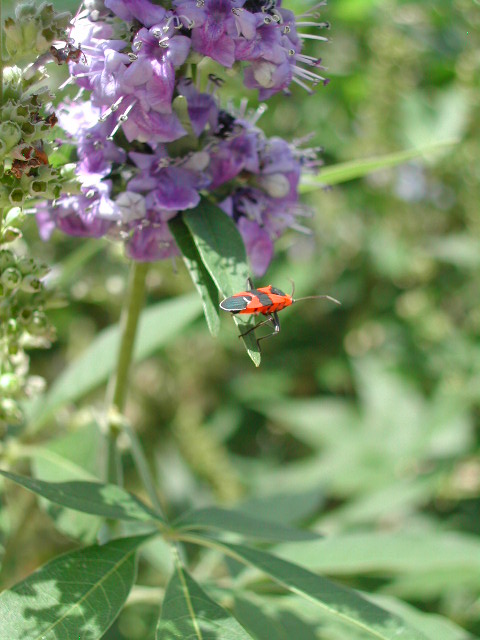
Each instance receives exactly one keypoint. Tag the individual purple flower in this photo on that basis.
(232, 156)
(143, 11)
(76, 215)
(214, 27)
(258, 244)
(151, 241)
(202, 107)
(170, 188)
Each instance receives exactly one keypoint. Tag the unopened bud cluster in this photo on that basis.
(34, 29)
(23, 325)
(27, 117)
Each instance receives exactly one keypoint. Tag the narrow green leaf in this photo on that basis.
(387, 553)
(261, 625)
(237, 522)
(159, 324)
(222, 251)
(96, 498)
(75, 456)
(77, 595)
(345, 604)
(345, 171)
(188, 613)
(199, 274)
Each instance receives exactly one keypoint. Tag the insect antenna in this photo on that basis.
(318, 298)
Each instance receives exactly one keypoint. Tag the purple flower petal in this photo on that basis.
(258, 244)
(144, 11)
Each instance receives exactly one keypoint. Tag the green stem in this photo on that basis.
(117, 386)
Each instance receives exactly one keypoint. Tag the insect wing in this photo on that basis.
(236, 303)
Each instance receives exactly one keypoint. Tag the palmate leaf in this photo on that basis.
(342, 603)
(345, 171)
(215, 518)
(198, 272)
(158, 325)
(222, 252)
(188, 613)
(96, 498)
(77, 595)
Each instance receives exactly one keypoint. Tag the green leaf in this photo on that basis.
(271, 625)
(344, 604)
(432, 625)
(286, 508)
(222, 252)
(188, 613)
(387, 553)
(345, 171)
(77, 595)
(158, 325)
(75, 456)
(96, 498)
(199, 274)
(241, 523)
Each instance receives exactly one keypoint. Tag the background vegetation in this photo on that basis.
(362, 421)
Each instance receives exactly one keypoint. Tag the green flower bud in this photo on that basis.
(38, 187)
(26, 265)
(11, 278)
(38, 324)
(7, 259)
(9, 411)
(10, 136)
(9, 383)
(13, 328)
(41, 269)
(34, 29)
(35, 385)
(10, 234)
(13, 349)
(31, 284)
(16, 197)
(26, 316)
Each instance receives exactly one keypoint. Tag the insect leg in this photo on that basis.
(276, 328)
(260, 324)
(250, 286)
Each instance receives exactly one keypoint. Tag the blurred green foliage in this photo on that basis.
(363, 421)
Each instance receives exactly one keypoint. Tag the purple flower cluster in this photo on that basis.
(149, 141)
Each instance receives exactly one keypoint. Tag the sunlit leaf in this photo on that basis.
(345, 171)
(96, 498)
(77, 595)
(386, 553)
(223, 253)
(200, 277)
(342, 603)
(215, 518)
(188, 613)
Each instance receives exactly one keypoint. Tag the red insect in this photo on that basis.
(265, 300)
(69, 53)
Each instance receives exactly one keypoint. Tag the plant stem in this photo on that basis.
(117, 386)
